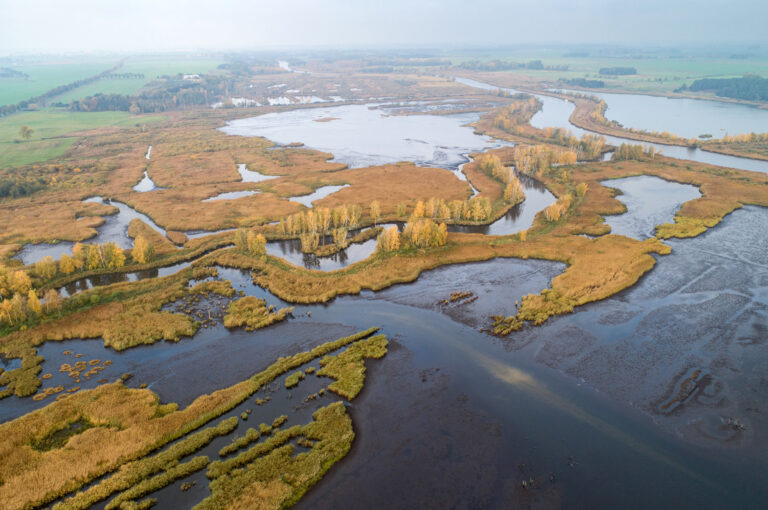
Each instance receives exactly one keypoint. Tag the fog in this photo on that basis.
(158, 25)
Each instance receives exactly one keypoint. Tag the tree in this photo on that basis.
(401, 210)
(46, 268)
(66, 264)
(26, 132)
(143, 251)
(513, 192)
(375, 211)
(418, 211)
(19, 282)
(113, 255)
(52, 302)
(389, 240)
(257, 244)
(241, 240)
(33, 304)
(340, 237)
(94, 260)
(79, 254)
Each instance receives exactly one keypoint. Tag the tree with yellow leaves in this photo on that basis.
(389, 240)
(33, 304)
(46, 268)
(375, 211)
(143, 252)
(52, 301)
(257, 244)
(418, 211)
(19, 282)
(112, 255)
(513, 192)
(66, 264)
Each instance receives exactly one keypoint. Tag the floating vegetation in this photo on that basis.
(348, 367)
(141, 454)
(268, 475)
(252, 313)
(220, 287)
(293, 379)
(462, 297)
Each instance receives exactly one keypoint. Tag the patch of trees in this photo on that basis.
(584, 82)
(618, 71)
(500, 65)
(23, 181)
(124, 76)
(169, 93)
(19, 300)
(15, 186)
(7, 72)
(492, 65)
(749, 87)
(628, 151)
(408, 62)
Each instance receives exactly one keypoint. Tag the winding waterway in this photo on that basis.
(451, 403)
(556, 112)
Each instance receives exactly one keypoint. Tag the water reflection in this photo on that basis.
(557, 112)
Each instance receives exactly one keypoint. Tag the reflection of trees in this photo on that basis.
(311, 261)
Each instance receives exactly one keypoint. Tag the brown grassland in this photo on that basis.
(129, 425)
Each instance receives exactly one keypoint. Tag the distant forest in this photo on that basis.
(750, 87)
(583, 82)
(618, 71)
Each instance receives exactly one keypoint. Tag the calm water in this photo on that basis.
(364, 135)
(557, 112)
(572, 404)
(684, 117)
(115, 229)
(650, 201)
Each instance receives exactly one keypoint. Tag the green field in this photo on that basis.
(46, 76)
(53, 123)
(657, 73)
(150, 68)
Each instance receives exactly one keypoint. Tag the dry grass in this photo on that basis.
(348, 367)
(161, 244)
(272, 477)
(130, 424)
(252, 312)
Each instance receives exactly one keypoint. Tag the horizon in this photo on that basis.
(164, 26)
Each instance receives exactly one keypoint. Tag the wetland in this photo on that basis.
(388, 303)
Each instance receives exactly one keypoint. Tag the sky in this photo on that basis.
(60, 26)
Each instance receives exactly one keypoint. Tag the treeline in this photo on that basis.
(124, 76)
(19, 300)
(167, 94)
(513, 188)
(16, 185)
(500, 65)
(628, 151)
(418, 233)
(517, 113)
(23, 181)
(7, 72)
(584, 82)
(407, 62)
(749, 87)
(61, 89)
(618, 71)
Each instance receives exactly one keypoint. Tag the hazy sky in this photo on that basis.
(147, 25)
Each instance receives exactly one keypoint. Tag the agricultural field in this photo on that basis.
(45, 76)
